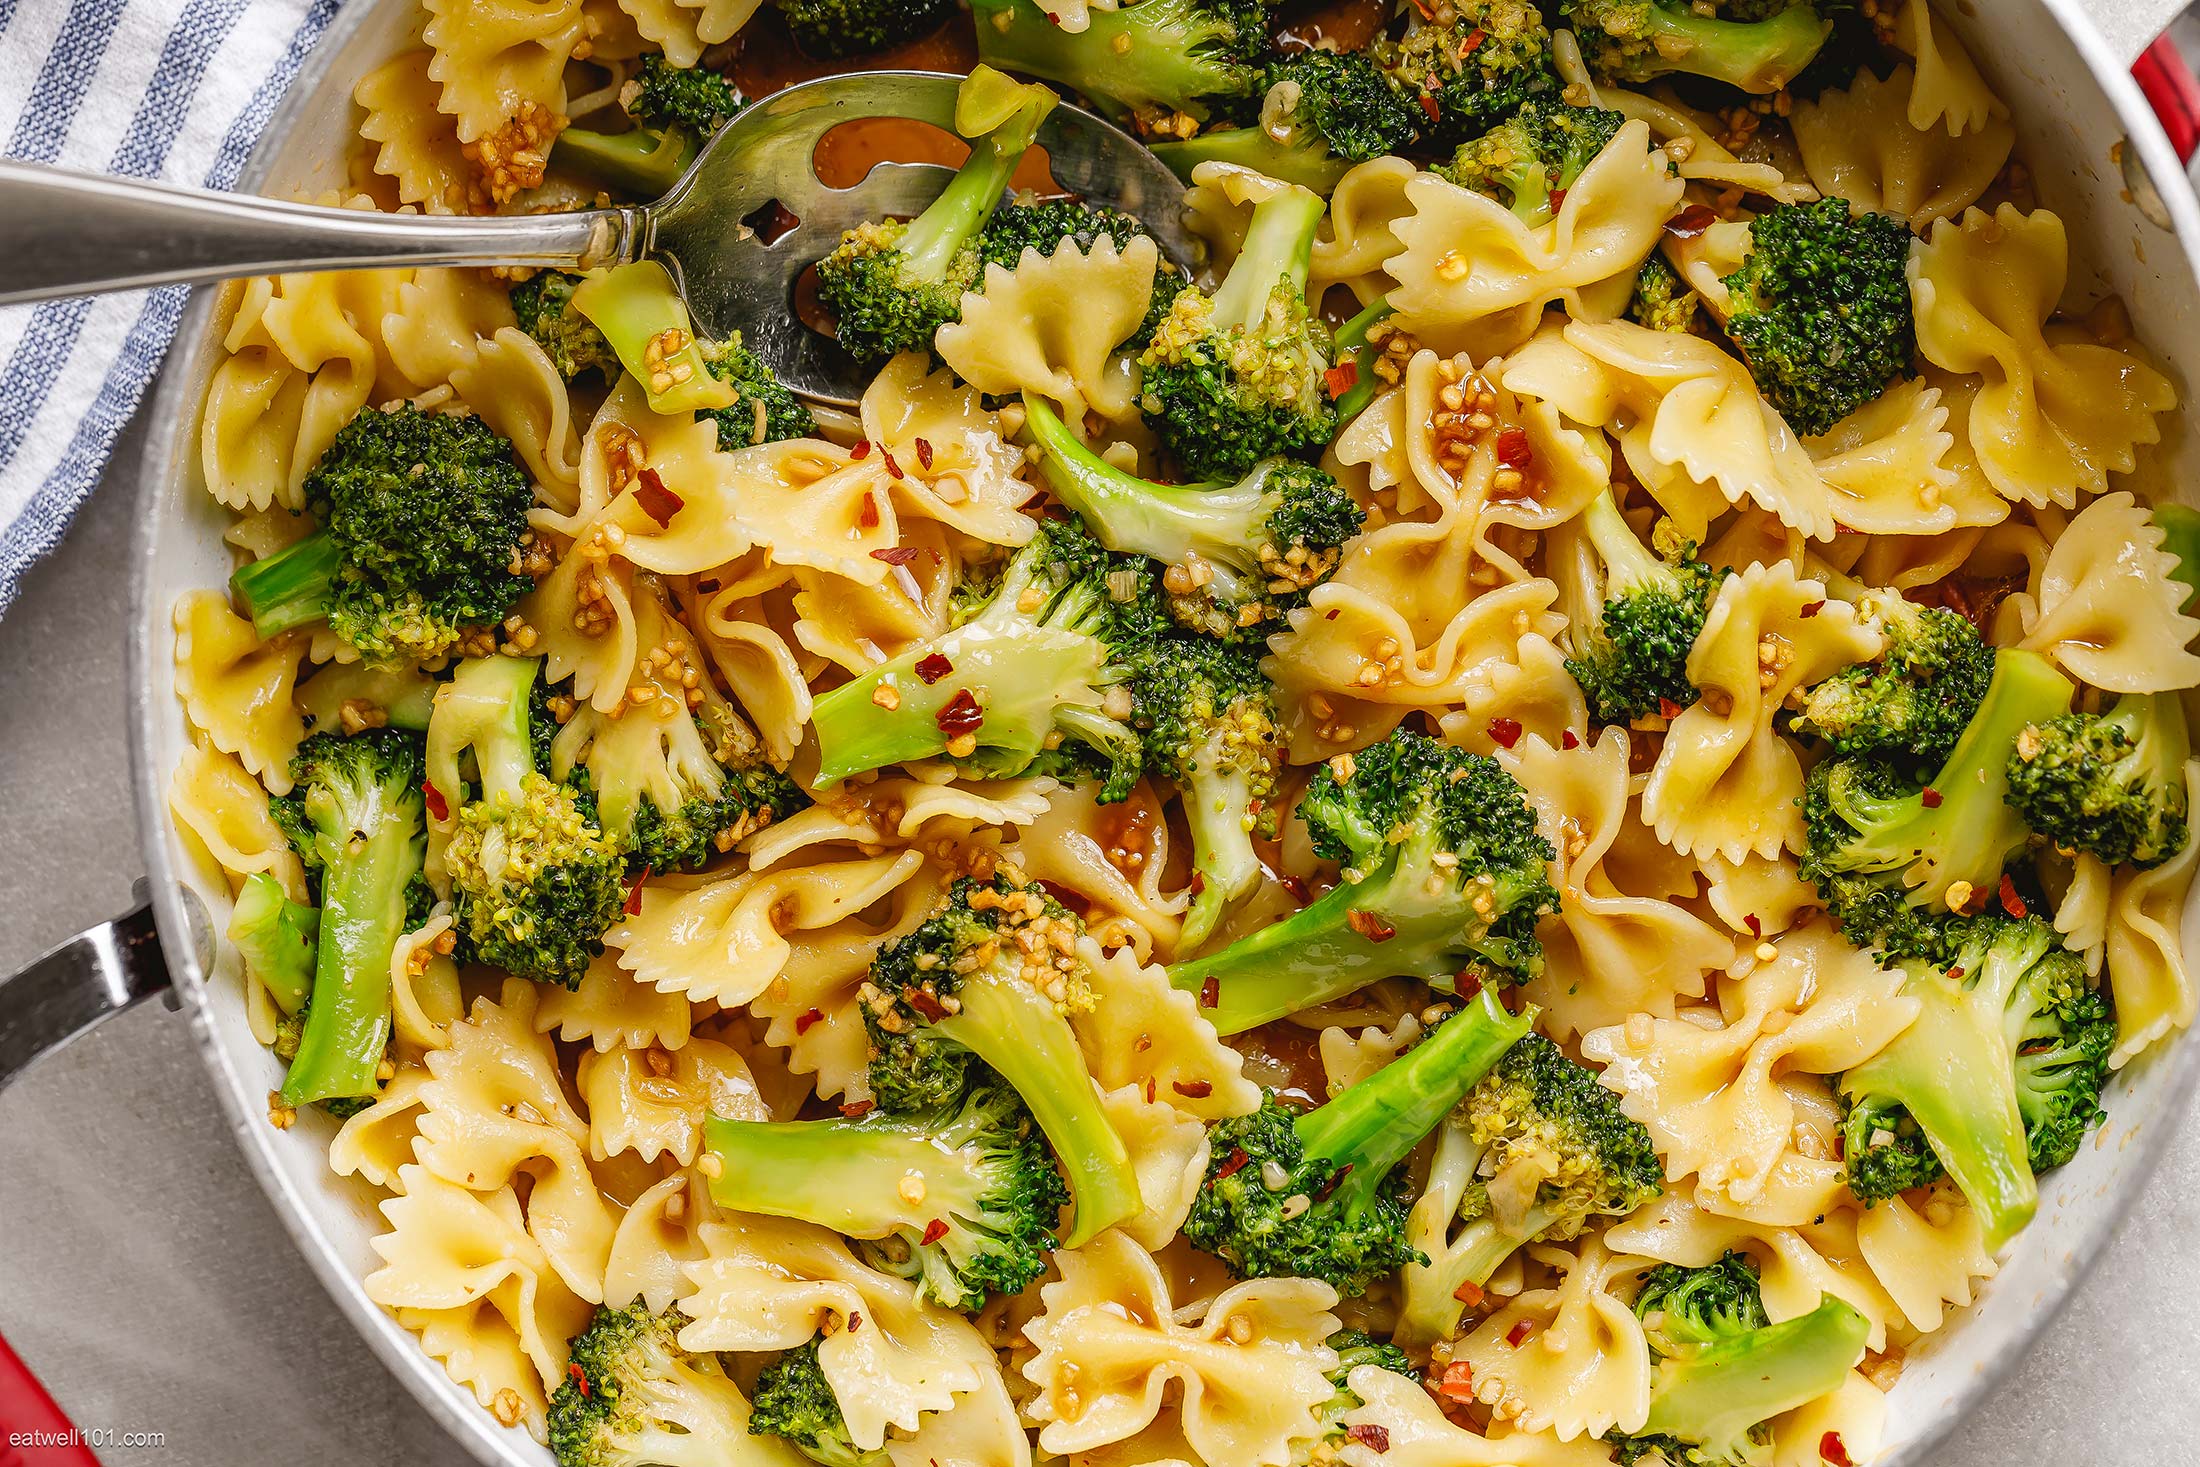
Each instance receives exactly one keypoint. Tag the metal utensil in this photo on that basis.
(66, 234)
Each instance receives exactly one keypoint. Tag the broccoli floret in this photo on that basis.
(632, 1397)
(1865, 816)
(1997, 1079)
(1662, 300)
(1358, 348)
(276, 938)
(673, 109)
(1321, 112)
(980, 1220)
(421, 516)
(1471, 66)
(1045, 224)
(535, 879)
(1356, 1348)
(764, 410)
(2109, 783)
(1631, 655)
(1156, 56)
(644, 318)
(1443, 872)
(979, 991)
(354, 816)
(1540, 1122)
(1236, 377)
(832, 29)
(891, 285)
(794, 1400)
(543, 306)
(1530, 159)
(1339, 1215)
(1820, 309)
(1641, 40)
(1283, 525)
(1023, 681)
(1915, 699)
(1722, 1373)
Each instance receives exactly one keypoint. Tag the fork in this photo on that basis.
(64, 233)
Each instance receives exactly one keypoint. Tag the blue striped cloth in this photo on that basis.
(176, 90)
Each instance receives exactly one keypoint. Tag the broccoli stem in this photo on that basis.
(484, 708)
(1156, 62)
(840, 1174)
(1714, 1395)
(635, 307)
(640, 161)
(1756, 56)
(275, 937)
(1278, 250)
(2181, 537)
(1352, 340)
(953, 220)
(347, 1024)
(1628, 563)
(1304, 161)
(1216, 798)
(288, 589)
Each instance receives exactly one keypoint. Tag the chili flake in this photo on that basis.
(1505, 732)
(1295, 885)
(658, 502)
(807, 1020)
(1811, 609)
(1470, 1294)
(1754, 924)
(1832, 1449)
(925, 1002)
(1210, 992)
(960, 716)
(1513, 448)
(1193, 1089)
(438, 807)
(1474, 38)
(1929, 798)
(896, 554)
(633, 907)
(856, 1110)
(1456, 1383)
(935, 1230)
(1336, 1180)
(867, 515)
(1667, 708)
(1233, 1164)
(1370, 1436)
(1691, 221)
(2010, 901)
(1468, 984)
(1369, 925)
(1428, 105)
(1568, 739)
(893, 470)
(932, 667)
(924, 454)
(1341, 378)
(1520, 1331)
(579, 1377)
(862, 449)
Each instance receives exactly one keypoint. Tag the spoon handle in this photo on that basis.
(64, 233)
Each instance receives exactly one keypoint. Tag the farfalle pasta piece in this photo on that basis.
(1360, 232)
(376, 1143)
(501, 67)
(248, 431)
(1534, 690)
(1472, 276)
(1050, 327)
(513, 387)
(1169, 1154)
(658, 1237)
(1114, 857)
(1928, 1258)
(1248, 1378)
(416, 146)
(900, 809)
(1859, 144)
(2107, 604)
(653, 1103)
(952, 461)
(441, 321)
(1142, 1033)
(1348, 1057)
(1761, 896)
(1855, 1414)
(1725, 783)
(1416, 1433)
(236, 689)
(1888, 466)
(610, 1010)
(1949, 93)
(425, 1000)
(668, 25)
(2143, 939)
(2053, 416)
(226, 811)
(1580, 1366)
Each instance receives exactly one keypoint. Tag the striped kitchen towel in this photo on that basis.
(176, 90)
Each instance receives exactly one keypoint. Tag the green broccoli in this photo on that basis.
(1641, 40)
(2180, 529)
(1236, 377)
(1322, 112)
(1470, 64)
(535, 879)
(1997, 1080)
(1318, 1194)
(983, 988)
(277, 939)
(1044, 224)
(1540, 1127)
(1681, 1308)
(832, 29)
(1528, 161)
(1243, 555)
(543, 306)
(1157, 56)
(644, 319)
(1662, 300)
(891, 285)
(1359, 346)
(1029, 679)
(1630, 656)
(794, 1400)
(1915, 699)
(632, 1397)
(1356, 1348)
(962, 1202)
(354, 817)
(764, 409)
(673, 110)
(422, 519)
(2112, 784)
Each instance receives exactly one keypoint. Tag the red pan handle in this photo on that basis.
(33, 1430)
(2171, 90)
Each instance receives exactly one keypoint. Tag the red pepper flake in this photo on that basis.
(855, 1320)
(960, 716)
(1505, 732)
(862, 450)
(1811, 610)
(2037, 1046)
(579, 1378)
(867, 516)
(1198, 883)
(1330, 615)
(1929, 798)
(1513, 449)
(658, 502)
(1558, 199)
(1832, 1449)
(897, 554)
(932, 667)
(1233, 1164)
(633, 907)
(1467, 984)
(1456, 1383)
(925, 1002)
(1428, 105)
(1474, 38)
(1520, 1331)
(1470, 1294)
(1210, 992)
(1296, 885)
(1369, 925)
(1342, 378)
(1568, 739)
(438, 807)
(1667, 708)
(1954, 974)
(893, 470)
(1193, 1089)
(807, 1020)
(1755, 926)
(1369, 1435)
(1691, 221)
(935, 1230)
(1336, 1180)
(856, 1110)
(2010, 901)
(924, 454)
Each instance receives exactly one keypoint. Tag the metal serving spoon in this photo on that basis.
(67, 234)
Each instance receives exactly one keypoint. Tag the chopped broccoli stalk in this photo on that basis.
(535, 879)
(1631, 658)
(674, 109)
(1339, 1215)
(1238, 377)
(1188, 56)
(763, 409)
(794, 1400)
(1284, 523)
(276, 938)
(1045, 224)
(354, 816)
(832, 29)
(1641, 40)
(1712, 1402)
(2180, 529)
(980, 987)
(1322, 112)
(421, 516)
(640, 312)
(1662, 300)
(1528, 161)
(891, 285)
(1916, 698)
(632, 1397)
(1471, 65)
(1443, 871)
(1359, 349)
(978, 1221)
(1681, 1308)
(543, 306)
(1017, 684)
(1864, 816)
(1209, 722)
(1538, 1128)
(1997, 1079)
(2112, 784)
(1304, 160)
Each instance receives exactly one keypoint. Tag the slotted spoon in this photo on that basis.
(68, 234)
